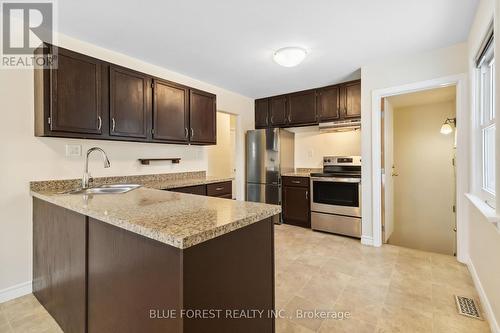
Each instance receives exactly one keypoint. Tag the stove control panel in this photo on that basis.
(341, 160)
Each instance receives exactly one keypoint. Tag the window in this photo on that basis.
(485, 64)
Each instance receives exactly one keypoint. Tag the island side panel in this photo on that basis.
(128, 276)
(59, 264)
(234, 271)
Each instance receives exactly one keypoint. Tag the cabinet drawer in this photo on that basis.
(197, 189)
(219, 189)
(295, 181)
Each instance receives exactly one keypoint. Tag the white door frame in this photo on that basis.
(460, 81)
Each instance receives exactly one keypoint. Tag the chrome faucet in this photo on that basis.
(86, 175)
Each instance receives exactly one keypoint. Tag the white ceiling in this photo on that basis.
(438, 95)
(230, 42)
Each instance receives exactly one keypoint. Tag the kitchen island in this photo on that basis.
(153, 261)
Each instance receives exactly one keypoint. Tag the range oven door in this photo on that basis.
(340, 196)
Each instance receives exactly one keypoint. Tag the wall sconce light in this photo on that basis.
(448, 125)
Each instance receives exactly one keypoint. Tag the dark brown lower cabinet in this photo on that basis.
(129, 276)
(94, 277)
(197, 189)
(59, 264)
(296, 201)
(219, 190)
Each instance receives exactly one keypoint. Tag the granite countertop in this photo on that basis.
(163, 181)
(176, 183)
(301, 172)
(177, 219)
(296, 174)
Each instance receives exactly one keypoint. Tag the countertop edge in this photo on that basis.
(180, 243)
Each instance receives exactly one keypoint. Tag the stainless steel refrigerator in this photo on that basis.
(269, 153)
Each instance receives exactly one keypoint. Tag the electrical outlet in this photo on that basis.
(73, 150)
(310, 153)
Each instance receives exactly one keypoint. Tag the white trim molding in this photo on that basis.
(488, 212)
(367, 240)
(485, 303)
(15, 291)
(459, 81)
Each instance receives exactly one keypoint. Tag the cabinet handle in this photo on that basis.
(272, 119)
(296, 181)
(307, 195)
(219, 188)
(99, 123)
(192, 132)
(113, 124)
(186, 132)
(289, 118)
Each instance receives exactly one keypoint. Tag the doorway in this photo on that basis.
(222, 156)
(418, 170)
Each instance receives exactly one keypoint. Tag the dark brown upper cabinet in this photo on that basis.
(170, 112)
(277, 111)
(302, 108)
(262, 113)
(84, 97)
(331, 103)
(352, 100)
(68, 96)
(202, 117)
(328, 104)
(129, 109)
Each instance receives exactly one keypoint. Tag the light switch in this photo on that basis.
(73, 150)
(310, 153)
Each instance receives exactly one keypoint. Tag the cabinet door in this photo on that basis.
(129, 103)
(202, 117)
(219, 189)
(352, 98)
(76, 94)
(170, 112)
(262, 113)
(328, 104)
(302, 108)
(296, 206)
(277, 111)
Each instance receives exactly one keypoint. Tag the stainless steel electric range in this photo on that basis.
(336, 196)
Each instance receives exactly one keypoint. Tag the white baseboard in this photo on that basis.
(485, 304)
(15, 291)
(367, 240)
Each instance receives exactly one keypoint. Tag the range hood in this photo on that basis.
(340, 126)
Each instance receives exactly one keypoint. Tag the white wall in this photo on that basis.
(423, 161)
(395, 72)
(311, 145)
(26, 157)
(484, 238)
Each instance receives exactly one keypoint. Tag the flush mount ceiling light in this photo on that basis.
(448, 125)
(289, 56)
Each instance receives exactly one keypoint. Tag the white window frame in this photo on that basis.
(485, 119)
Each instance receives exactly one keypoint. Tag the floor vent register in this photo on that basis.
(467, 307)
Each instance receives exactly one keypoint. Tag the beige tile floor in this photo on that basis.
(387, 289)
